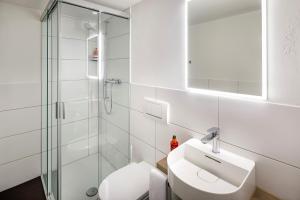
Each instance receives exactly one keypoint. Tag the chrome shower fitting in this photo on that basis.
(109, 98)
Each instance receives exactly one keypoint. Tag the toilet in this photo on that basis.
(128, 183)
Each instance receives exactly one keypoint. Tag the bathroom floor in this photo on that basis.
(31, 190)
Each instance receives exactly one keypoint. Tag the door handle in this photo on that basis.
(56, 110)
(63, 110)
(60, 110)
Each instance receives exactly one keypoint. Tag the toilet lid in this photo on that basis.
(127, 183)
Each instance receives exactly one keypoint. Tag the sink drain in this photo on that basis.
(91, 192)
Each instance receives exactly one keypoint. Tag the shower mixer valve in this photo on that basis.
(109, 98)
(113, 81)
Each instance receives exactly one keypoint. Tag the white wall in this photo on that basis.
(266, 132)
(20, 123)
(227, 53)
(158, 36)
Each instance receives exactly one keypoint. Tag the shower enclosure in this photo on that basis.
(85, 97)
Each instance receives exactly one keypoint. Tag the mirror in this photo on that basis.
(226, 46)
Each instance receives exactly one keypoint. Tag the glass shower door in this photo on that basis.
(114, 138)
(79, 93)
(49, 103)
(85, 98)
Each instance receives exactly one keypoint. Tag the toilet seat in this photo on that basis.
(128, 183)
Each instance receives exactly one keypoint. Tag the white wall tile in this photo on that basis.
(93, 126)
(164, 133)
(197, 112)
(137, 95)
(73, 28)
(142, 151)
(18, 172)
(93, 108)
(158, 43)
(142, 127)
(76, 110)
(117, 26)
(118, 47)
(119, 116)
(95, 89)
(18, 121)
(117, 137)
(121, 94)
(106, 168)
(19, 146)
(74, 151)
(20, 29)
(73, 70)
(20, 95)
(272, 176)
(75, 131)
(264, 128)
(73, 49)
(93, 145)
(74, 90)
(116, 158)
(118, 69)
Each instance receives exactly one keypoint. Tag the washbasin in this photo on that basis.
(195, 172)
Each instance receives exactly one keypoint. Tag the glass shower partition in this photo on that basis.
(49, 103)
(84, 54)
(114, 140)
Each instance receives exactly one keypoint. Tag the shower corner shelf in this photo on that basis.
(93, 59)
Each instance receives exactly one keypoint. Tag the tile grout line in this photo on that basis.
(20, 108)
(18, 134)
(16, 160)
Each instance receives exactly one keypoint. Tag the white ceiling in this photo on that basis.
(40, 4)
(117, 4)
(207, 10)
(36, 4)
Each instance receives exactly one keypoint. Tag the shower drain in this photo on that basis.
(92, 192)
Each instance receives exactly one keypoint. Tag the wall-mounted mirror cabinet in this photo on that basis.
(226, 47)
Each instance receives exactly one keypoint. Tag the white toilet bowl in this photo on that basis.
(128, 183)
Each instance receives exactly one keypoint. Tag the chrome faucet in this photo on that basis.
(214, 135)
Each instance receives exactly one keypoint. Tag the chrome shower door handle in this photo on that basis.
(63, 110)
(56, 110)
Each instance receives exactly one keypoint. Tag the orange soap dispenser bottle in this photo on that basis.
(173, 143)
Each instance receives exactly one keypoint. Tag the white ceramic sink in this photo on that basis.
(194, 172)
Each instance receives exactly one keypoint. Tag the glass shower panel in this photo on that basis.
(52, 118)
(44, 140)
(114, 139)
(80, 91)
(49, 100)
(79, 82)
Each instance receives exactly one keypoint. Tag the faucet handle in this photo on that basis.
(214, 130)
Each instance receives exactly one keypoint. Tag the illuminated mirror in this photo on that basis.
(227, 47)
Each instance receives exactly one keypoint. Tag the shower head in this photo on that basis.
(89, 27)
